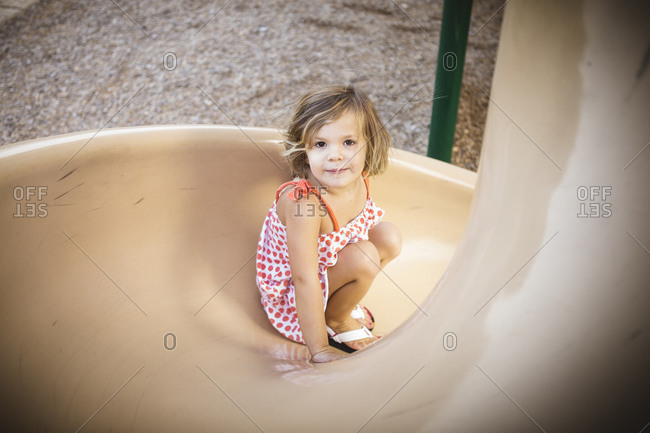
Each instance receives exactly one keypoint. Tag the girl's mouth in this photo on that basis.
(336, 170)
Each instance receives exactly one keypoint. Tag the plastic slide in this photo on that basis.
(128, 300)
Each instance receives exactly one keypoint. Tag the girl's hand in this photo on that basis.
(328, 354)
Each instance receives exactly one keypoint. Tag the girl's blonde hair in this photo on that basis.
(325, 105)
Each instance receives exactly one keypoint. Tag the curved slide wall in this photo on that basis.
(127, 301)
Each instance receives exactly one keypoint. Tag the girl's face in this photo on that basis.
(338, 154)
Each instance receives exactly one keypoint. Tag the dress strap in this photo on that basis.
(365, 180)
(302, 189)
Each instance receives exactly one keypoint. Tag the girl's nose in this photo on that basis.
(335, 153)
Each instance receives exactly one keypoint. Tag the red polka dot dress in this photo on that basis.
(277, 290)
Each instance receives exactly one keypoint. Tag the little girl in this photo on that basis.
(322, 244)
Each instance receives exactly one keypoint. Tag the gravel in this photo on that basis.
(70, 66)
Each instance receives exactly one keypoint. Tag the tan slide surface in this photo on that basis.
(128, 300)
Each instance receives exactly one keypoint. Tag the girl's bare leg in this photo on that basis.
(349, 280)
(388, 241)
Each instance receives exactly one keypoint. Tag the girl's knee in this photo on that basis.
(388, 240)
(367, 259)
(393, 241)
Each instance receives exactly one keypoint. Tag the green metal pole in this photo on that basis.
(449, 77)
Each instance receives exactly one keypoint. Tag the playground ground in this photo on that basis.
(69, 66)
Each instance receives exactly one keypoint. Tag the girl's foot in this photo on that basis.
(353, 325)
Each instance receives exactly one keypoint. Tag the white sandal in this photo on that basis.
(339, 340)
(358, 314)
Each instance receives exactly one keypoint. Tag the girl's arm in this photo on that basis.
(303, 229)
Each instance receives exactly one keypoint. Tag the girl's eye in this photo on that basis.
(319, 144)
(349, 142)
